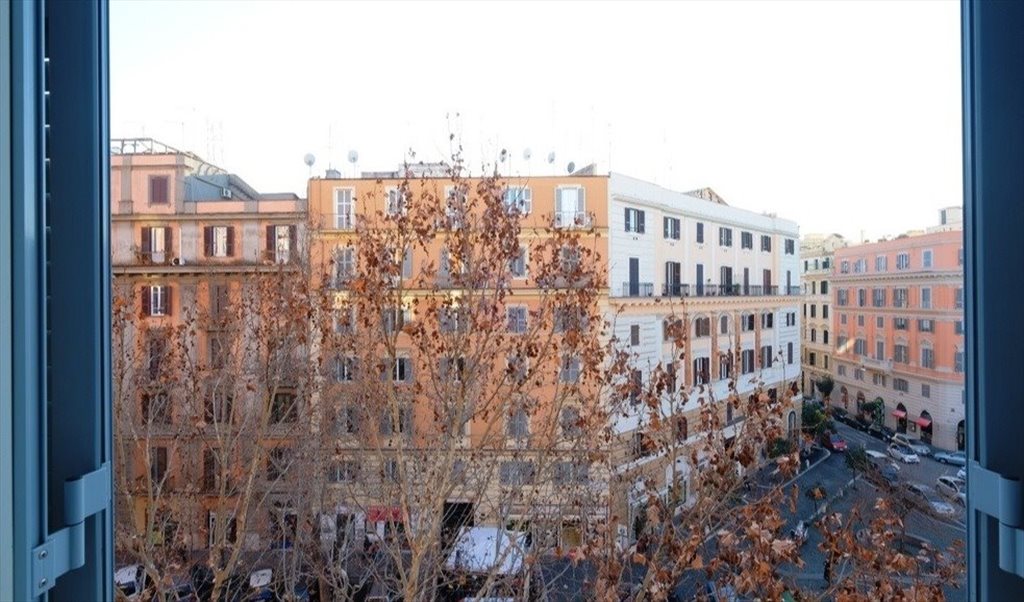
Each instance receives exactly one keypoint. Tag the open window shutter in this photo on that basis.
(293, 239)
(147, 240)
(146, 309)
(581, 200)
(208, 241)
(640, 221)
(168, 242)
(231, 241)
(270, 238)
(168, 290)
(629, 225)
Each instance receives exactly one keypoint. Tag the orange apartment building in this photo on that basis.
(185, 236)
(899, 335)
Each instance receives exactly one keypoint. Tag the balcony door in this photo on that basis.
(634, 276)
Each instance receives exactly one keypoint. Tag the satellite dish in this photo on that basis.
(571, 167)
(353, 156)
(503, 156)
(309, 159)
(527, 153)
(551, 157)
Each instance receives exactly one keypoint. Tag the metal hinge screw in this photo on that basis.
(42, 554)
(42, 583)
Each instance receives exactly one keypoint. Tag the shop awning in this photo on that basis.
(923, 422)
(376, 514)
(899, 414)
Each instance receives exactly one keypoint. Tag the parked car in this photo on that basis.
(833, 441)
(839, 414)
(883, 470)
(951, 487)
(131, 580)
(861, 423)
(958, 458)
(962, 474)
(915, 444)
(903, 454)
(928, 501)
(880, 431)
(913, 545)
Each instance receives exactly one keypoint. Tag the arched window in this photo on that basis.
(723, 325)
(702, 327)
(814, 335)
(824, 336)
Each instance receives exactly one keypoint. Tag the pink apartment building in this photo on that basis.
(899, 332)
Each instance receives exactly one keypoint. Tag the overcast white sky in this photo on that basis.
(842, 116)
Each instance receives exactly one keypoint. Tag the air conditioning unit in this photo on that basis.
(178, 261)
(225, 193)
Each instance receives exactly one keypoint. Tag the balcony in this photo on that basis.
(572, 219)
(875, 364)
(637, 289)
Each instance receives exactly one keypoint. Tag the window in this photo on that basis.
(725, 365)
(814, 310)
(570, 207)
(766, 356)
(407, 263)
(824, 287)
(158, 190)
(926, 258)
(571, 318)
(841, 342)
(860, 266)
(516, 473)
(218, 404)
(671, 228)
(926, 326)
(218, 349)
(700, 232)
(344, 208)
(517, 425)
(824, 337)
(392, 319)
(791, 318)
(789, 352)
(388, 425)
(814, 335)
(156, 241)
(880, 350)
(958, 361)
(212, 470)
(283, 408)
(926, 390)
(634, 335)
(878, 297)
(767, 320)
(766, 243)
(570, 422)
(790, 247)
(401, 370)
(220, 300)
(899, 297)
(879, 322)
(702, 327)
(344, 471)
(747, 240)
(958, 327)
(725, 237)
(841, 370)
(569, 473)
(902, 261)
(219, 241)
(844, 267)
(958, 300)
(901, 384)
(878, 379)
(927, 357)
(862, 297)
(518, 266)
(747, 322)
(901, 353)
(747, 359)
(349, 419)
(926, 298)
(156, 300)
(635, 220)
(860, 347)
(842, 297)
(811, 358)
(636, 385)
(881, 263)
(824, 310)
(519, 199)
(157, 464)
(344, 369)
(960, 256)
(723, 325)
(901, 323)
(281, 241)
(155, 408)
(858, 374)
(701, 370)
(570, 372)
(860, 320)
(344, 265)
(517, 319)
(345, 320)
(277, 463)
(682, 428)
(395, 202)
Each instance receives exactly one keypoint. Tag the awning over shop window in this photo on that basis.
(923, 422)
(376, 514)
(899, 414)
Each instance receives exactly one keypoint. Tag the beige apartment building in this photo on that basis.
(899, 331)
(817, 252)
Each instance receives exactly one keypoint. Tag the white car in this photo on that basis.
(131, 580)
(962, 474)
(953, 488)
(925, 497)
(903, 454)
(914, 444)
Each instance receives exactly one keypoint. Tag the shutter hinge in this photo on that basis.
(64, 550)
(1002, 498)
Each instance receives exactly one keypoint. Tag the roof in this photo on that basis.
(708, 195)
(488, 549)
(212, 187)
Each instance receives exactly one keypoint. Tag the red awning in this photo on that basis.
(899, 414)
(923, 422)
(376, 514)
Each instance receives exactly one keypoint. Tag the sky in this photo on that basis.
(843, 116)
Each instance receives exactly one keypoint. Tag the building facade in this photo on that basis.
(817, 253)
(899, 336)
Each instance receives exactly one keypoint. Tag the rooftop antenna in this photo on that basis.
(353, 158)
(527, 153)
(551, 158)
(571, 167)
(309, 160)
